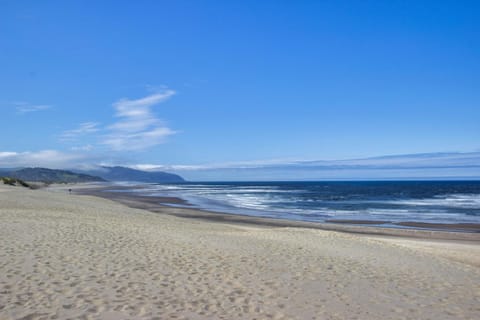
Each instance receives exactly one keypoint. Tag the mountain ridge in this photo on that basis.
(102, 174)
(52, 175)
(118, 173)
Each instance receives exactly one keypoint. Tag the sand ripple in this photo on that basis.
(77, 257)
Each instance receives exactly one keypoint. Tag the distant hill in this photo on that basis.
(52, 176)
(128, 174)
(96, 175)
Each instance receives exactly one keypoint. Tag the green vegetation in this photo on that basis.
(52, 176)
(14, 182)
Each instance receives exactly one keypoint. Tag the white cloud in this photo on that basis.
(47, 158)
(82, 130)
(6, 154)
(434, 165)
(161, 167)
(413, 166)
(141, 107)
(138, 128)
(253, 164)
(25, 107)
(87, 147)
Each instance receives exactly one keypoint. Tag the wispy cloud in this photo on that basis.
(413, 166)
(416, 166)
(87, 147)
(82, 130)
(137, 128)
(407, 161)
(25, 107)
(254, 164)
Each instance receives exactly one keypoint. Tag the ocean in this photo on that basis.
(393, 201)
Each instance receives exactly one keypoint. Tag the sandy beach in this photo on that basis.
(69, 256)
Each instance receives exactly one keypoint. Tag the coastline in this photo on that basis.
(67, 256)
(168, 205)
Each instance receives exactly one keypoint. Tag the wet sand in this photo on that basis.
(74, 256)
(159, 204)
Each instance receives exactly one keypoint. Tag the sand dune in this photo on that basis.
(80, 257)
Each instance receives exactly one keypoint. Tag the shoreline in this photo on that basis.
(68, 256)
(168, 205)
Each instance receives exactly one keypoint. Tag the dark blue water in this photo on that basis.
(422, 201)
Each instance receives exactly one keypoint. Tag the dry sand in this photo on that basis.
(80, 257)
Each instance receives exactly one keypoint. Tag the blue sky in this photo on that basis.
(209, 84)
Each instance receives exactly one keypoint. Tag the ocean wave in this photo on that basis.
(469, 201)
(318, 201)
